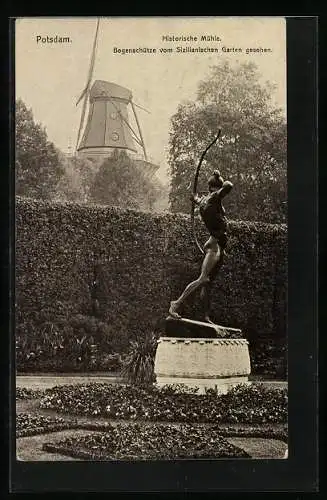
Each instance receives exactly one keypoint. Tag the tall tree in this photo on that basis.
(121, 182)
(251, 150)
(79, 174)
(38, 166)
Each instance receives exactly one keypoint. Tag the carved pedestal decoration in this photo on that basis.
(216, 363)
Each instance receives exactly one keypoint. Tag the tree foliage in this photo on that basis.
(38, 166)
(251, 151)
(122, 182)
(44, 172)
(79, 175)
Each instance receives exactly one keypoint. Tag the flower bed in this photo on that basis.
(254, 404)
(23, 393)
(137, 441)
(263, 431)
(241, 430)
(30, 425)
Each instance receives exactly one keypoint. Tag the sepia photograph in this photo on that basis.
(151, 239)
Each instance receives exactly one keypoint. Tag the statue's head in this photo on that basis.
(215, 181)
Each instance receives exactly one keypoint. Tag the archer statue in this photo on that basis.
(213, 215)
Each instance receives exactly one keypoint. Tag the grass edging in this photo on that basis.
(45, 430)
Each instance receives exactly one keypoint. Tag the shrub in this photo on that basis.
(138, 365)
(269, 358)
(76, 344)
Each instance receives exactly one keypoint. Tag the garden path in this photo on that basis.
(48, 380)
(30, 448)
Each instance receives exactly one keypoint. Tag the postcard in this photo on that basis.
(151, 254)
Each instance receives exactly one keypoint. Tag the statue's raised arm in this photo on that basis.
(225, 189)
(195, 184)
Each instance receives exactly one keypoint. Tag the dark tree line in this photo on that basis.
(44, 172)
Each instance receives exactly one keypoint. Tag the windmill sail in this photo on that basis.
(88, 83)
(107, 124)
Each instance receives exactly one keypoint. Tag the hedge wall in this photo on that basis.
(124, 267)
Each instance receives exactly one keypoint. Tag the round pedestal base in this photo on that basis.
(221, 386)
(218, 364)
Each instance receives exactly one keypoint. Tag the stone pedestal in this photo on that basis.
(203, 362)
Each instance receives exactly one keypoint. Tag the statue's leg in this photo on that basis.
(205, 299)
(206, 289)
(210, 260)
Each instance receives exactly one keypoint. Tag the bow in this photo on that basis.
(195, 183)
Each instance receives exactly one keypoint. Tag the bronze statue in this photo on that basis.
(213, 215)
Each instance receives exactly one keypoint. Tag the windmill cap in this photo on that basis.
(106, 90)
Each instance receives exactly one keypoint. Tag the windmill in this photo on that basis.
(108, 126)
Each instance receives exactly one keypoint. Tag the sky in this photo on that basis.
(51, 76)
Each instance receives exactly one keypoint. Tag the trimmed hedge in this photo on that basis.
(124, 267)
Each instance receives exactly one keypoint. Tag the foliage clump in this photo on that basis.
(252, 149)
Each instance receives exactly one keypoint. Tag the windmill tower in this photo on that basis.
(108, 126)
